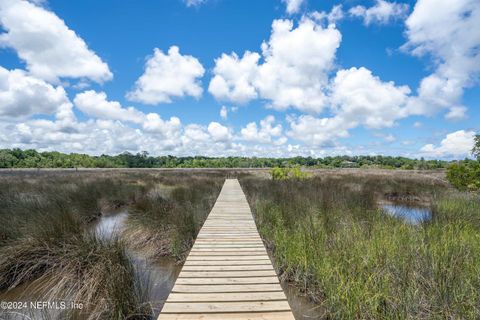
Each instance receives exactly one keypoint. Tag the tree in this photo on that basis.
(476, 147)
(465, 175)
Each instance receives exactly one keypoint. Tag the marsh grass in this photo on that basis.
(166, 223)
(26, 198)
(328, 236)
(44, 221)
(45, 218)
(76, 266)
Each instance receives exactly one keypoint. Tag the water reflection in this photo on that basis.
(410, 214)
(157, 275)
(109, 225)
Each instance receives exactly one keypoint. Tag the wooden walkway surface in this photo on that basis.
(228, 274)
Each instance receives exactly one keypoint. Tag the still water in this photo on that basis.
(158, 275)
(109, 225)
(411, 214)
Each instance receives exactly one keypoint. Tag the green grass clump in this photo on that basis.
(328, 236)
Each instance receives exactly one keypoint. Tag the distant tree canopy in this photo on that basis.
(17, 158)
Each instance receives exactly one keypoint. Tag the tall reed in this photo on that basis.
(329, 236)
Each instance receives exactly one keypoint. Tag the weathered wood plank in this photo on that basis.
(229, 296)
(215, 307)
(223, 274)
(226, 262)
(210, 238)
(228, 253)
(228, 268)
(229, 239)
(228, 274)
(228, 258)
(228, 247)
(226, 288)
(285, 315)
(215, 281)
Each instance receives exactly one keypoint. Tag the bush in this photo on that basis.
(288, 173)
(465, 175)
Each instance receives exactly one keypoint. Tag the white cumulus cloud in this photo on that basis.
(318, 131)
(170, 129)
(294, 72)
(293, 6)
(95, 104)
(22, 95)
(218, 132)
(382, 12)
(233, 77)
(455, 145)
(357, 98)
(266, 133)
(49, 48)
(456, 113)
(223, 113)
(336, 14)
(166, 76)
(450, 37)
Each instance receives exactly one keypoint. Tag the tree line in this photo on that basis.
(18, 158)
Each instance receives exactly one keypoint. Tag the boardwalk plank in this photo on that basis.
(285, 315)
(215, 307)
(215, 281)
(223, 274)
(226, 288)
(227, 262)
(228, 274)
(228, 245)
(228, 258)
(224, 297)
(228, 268)
(226, 253)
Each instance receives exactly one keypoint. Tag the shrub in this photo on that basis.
(288, 173)
(465, 175)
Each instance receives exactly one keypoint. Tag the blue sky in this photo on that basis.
(296, 77)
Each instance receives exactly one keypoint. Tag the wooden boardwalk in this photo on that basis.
(228, 274)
